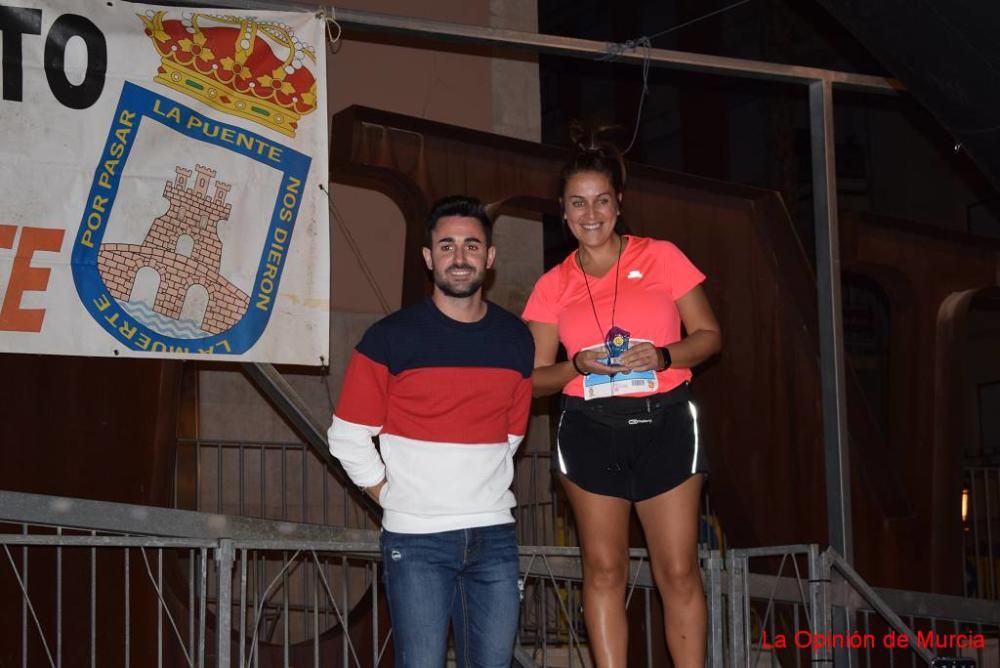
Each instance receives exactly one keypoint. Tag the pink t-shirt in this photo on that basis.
(653, 275)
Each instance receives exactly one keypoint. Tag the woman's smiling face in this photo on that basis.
(590, 205)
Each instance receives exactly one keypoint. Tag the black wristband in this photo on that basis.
(578, 369)
(666, 358)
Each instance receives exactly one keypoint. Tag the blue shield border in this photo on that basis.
(135, 105)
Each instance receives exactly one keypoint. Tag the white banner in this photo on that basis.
(160, 174)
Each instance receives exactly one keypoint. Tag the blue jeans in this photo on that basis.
(468, 578)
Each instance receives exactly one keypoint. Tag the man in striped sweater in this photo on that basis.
(446, 386)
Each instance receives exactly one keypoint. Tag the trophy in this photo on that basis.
(616, 341)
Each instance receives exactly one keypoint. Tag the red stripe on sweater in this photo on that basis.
(453, 404)
(438, 404)
(362, 394)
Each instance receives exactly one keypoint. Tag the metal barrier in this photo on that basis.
(111, 584)
(805, 607)
(115, 584)
(279, 480)
(285, 480)
(209, 589)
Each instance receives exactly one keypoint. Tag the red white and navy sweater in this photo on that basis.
(449, 401)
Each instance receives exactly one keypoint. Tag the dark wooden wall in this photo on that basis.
(97, 429)
(94, 428)
(929, 277)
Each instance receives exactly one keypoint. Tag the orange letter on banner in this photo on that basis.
(7, 236)
(24, 278)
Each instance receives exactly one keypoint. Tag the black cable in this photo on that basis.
(615, 49)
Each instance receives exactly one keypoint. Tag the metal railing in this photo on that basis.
(88, 583)
(801, 607)
(210, 589)
(64, 623)
(285, 480)
(278, 480)
(115, 584)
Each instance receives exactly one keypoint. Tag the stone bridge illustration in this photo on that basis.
(184, 248)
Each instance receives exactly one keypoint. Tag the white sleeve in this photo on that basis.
(352, 444)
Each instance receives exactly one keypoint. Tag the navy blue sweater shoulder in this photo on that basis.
(420, 336)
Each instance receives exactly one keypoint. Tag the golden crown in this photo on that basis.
(240, 65)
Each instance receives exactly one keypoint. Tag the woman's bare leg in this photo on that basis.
(670, 522)
(602, 525)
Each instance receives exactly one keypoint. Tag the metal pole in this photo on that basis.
(872, 598)
(838, 469)
(820, 575)
(363, 21)
(225, 555)
(202, 604)
(738, 655)
(243, 606)
(715, 625)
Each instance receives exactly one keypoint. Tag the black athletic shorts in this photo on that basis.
(630, 447)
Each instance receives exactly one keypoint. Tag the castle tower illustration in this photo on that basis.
(184, 248)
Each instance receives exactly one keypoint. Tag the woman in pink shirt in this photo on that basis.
(628, 430)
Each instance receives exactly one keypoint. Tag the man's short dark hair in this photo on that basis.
(458, 205)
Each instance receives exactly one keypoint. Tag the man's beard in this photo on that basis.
(459, 293)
